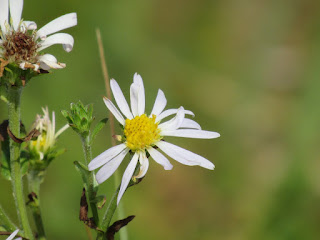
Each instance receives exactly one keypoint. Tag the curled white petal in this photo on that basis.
(114, 110)
(4, 14)
(13, 235)
(110, 167)
(120, 99)
(58, 24)
(48, 61)
(159, 104)
(160, 158)
(24, 65)
(184, 156)
(188, 123)
(190, 133)
(15, 12)
(29, 25)
(173, 123)
(169, 112)
(106, 156)
(65, 39)
(144, 165)
(127, 176)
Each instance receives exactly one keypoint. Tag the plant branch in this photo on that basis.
(14, 95)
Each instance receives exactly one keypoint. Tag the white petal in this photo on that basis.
(174, 123)
(160, 158)
(190, 133)
(29, 25)
(159, 104)
(13, 235)
(48, 61)
(169, 112)
(110, 167)
(144, 165)
(134, 89)
(65, 39)
(120, 99)
(4, 14)
(188, 123)
(184, 156)
(114, 110)
(58, 24)
(127, 176)
(16, 7)
(106, 156)
(141, 94)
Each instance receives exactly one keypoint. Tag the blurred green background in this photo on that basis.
(248, 69)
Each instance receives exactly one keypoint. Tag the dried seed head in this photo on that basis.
(20, 47)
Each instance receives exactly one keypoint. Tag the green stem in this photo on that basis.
(14, 95)
(91, 193)
(6, 222)
(34, 181)
(108, 215)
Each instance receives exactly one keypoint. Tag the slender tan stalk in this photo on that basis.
(121, 214)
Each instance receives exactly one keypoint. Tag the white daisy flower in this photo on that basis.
(144, 134)
(48, 135)
(21, 43)
(13, 235)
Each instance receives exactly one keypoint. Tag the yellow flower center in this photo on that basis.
(141, 132)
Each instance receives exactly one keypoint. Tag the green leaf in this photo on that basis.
(97, 129)
(24, 163)
(100, 201)
(84, 172)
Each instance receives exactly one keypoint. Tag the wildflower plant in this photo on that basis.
(21, 59)
(29, 153)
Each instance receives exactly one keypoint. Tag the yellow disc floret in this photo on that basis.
(141, 132)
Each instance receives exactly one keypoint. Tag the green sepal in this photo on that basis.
(97, 129)
(79, 118)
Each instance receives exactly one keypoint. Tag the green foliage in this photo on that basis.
(14, 75)
(79, 117)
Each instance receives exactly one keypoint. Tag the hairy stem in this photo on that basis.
(91, 192)
(14, 95)
(108, 215)
(34, 181)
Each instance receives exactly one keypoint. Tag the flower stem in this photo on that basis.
(14, 95)
(108, 215)
(121, 213)
(34, 181)
(6, 221)
(91, 192)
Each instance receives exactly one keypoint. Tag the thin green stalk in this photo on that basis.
(14, 95)
(108, 215)
(121, 213)
(91, 193)
(34, 181)
(6, 221)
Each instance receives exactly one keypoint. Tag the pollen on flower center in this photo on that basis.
(20, 46)
(141, 132)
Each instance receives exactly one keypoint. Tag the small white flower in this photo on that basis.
(13, 235)
(21, 43)
(144, 134)
(47, 138)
